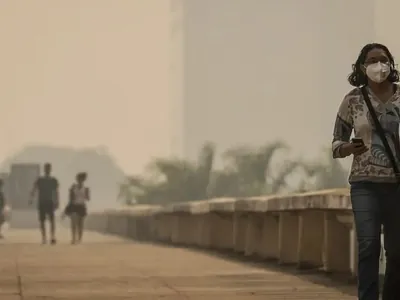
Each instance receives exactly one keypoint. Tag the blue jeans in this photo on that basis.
(374, 205)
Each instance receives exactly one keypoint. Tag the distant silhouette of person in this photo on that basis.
(76, 209)
(3, 207)
(48, 198)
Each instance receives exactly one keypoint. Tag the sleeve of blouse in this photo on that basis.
(343, 126)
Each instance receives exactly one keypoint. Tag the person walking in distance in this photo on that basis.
(76, 209)
(372, 111)
(46, 188)
(3, 208)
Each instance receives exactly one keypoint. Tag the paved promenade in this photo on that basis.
(108, 268)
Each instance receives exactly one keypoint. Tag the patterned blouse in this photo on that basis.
(373, 165)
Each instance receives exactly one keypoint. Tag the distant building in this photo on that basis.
(251, 71)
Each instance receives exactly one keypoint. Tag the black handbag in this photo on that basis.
(381, 133)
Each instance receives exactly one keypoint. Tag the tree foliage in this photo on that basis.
(325, 173)
(246, 172)
(171, 180)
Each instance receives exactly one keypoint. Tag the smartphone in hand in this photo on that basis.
(357, 141)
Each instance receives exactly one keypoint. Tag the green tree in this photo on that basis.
(332, 175)
(172, 180)
(325, 173)
(248, 172)
(126, 195)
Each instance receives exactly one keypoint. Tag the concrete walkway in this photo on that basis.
(108, 268)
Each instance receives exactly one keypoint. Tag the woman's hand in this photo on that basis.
(352, 148)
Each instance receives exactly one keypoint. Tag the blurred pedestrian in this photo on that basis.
(48, 199)
(3, 208)
(76, 208)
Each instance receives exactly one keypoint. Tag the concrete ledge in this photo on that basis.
(309, 230)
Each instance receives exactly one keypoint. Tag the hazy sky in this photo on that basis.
(84, 73)
(95, 72)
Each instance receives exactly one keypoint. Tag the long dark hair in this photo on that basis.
(358, 78)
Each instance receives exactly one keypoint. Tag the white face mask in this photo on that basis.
(378, 72)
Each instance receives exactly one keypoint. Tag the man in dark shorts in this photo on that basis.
(47, 188)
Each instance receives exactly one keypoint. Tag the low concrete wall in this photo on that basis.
(22, 219)
(311, 230)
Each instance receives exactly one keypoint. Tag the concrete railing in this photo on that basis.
(309, 230)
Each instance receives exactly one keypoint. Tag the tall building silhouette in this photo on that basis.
(252, 71)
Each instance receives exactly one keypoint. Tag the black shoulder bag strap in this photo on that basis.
(381, 133)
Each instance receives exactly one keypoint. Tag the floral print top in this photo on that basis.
(373, 165)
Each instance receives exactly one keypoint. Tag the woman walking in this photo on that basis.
(372, 111)
(76, 209)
